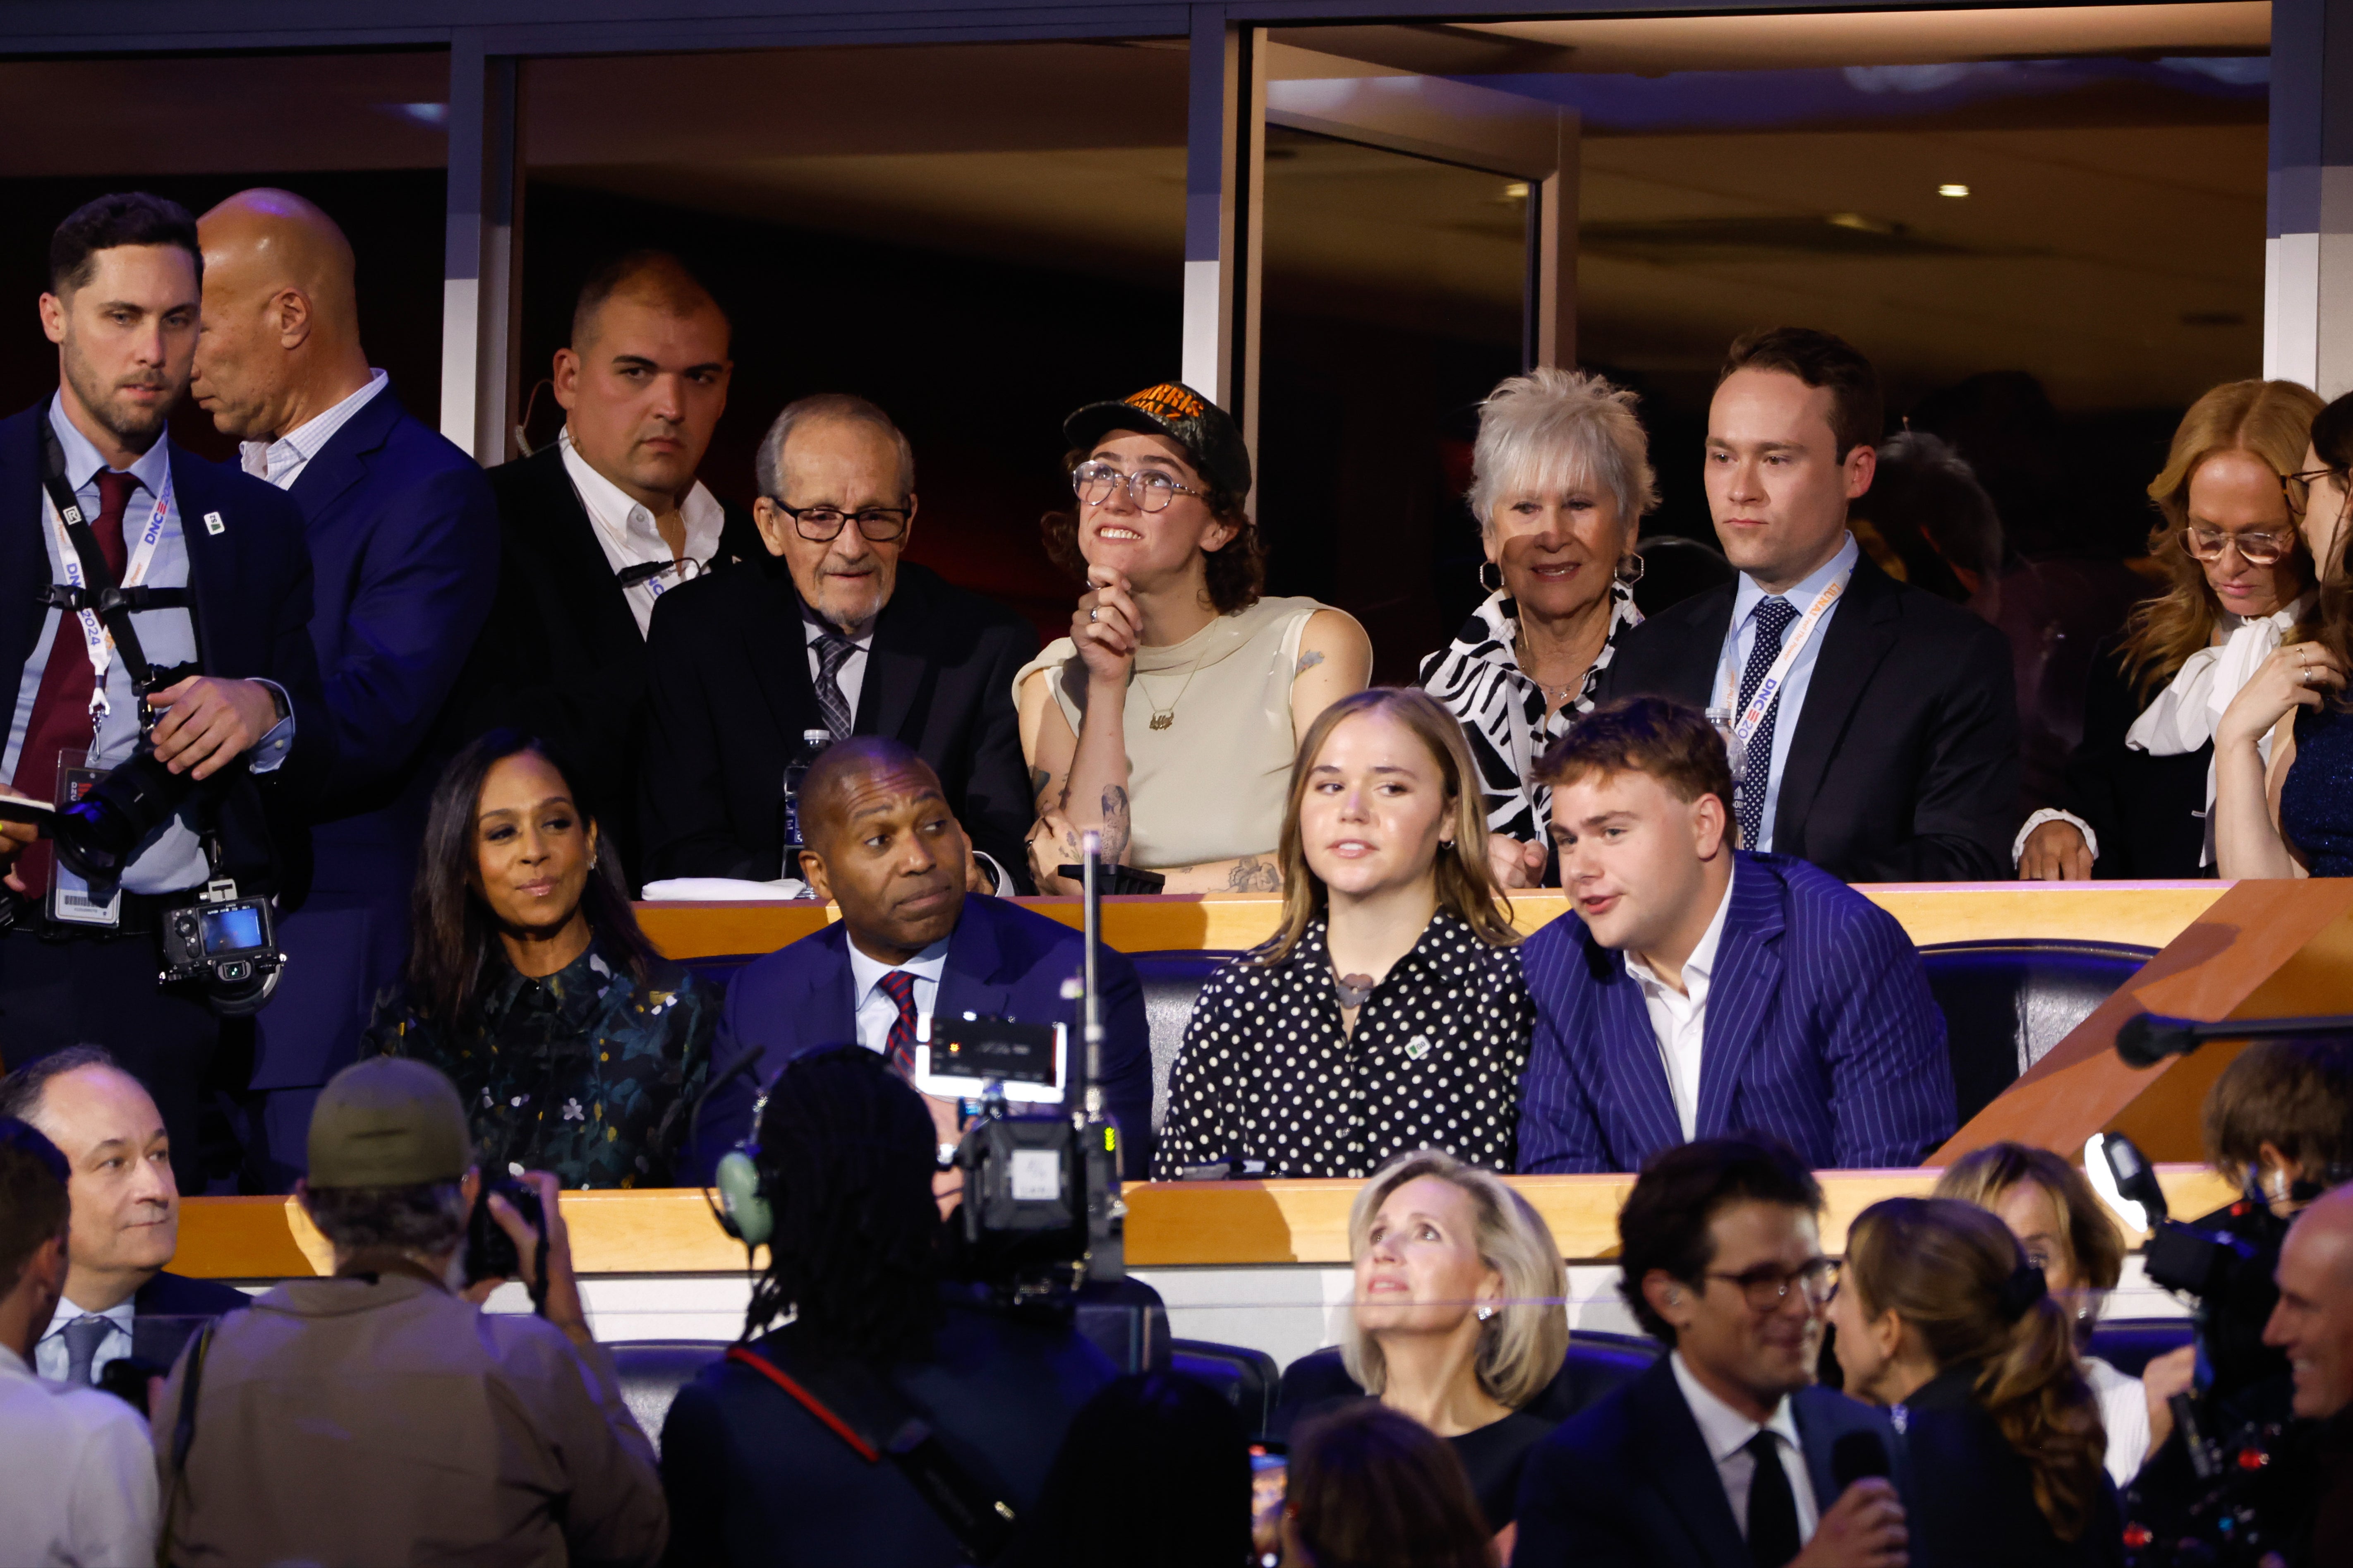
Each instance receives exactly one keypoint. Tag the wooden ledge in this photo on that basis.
(1169, 1224)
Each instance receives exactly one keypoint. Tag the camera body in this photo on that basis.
(226, 944)
(490, 1251)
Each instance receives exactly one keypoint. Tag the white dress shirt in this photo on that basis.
(627, 533)
(1734, 661)
(77, 1475)
(49, 1356)
(1679, 1017)
(876, 1011)
(281, 462)
(2123, 1411)
(1726, 1432)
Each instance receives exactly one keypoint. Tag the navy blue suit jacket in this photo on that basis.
(1819, 1030)
(250, 586)
(1003, 962)
(1630, 1483)
(404, 535)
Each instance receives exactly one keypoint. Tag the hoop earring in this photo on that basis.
(1498, 586)
(1630, 568)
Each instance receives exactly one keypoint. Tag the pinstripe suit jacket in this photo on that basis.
(1819, 1030)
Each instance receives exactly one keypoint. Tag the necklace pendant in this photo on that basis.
(1162, 721)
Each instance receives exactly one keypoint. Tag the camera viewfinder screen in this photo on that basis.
(232, 930)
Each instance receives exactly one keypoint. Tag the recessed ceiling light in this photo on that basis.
(1952, 190)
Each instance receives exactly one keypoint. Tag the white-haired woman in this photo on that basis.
(1458, 1319)
(1561, 478)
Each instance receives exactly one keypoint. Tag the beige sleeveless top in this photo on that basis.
(1213, 784)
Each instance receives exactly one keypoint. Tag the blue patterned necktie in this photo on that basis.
(833, 651)
(83, 1336)
(899, 1053)
(1773, 618)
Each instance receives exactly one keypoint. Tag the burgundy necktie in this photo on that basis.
(61, 718)
(900, 987)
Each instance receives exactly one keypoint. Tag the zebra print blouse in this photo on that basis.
(1477, 679)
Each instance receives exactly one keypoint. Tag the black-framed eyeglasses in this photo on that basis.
(1765, 1287)
(877, 525)
(1150, 489)
(2298, 487)
(2256, 550)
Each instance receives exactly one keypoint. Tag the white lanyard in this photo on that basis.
(1766, 689)
(97, 641)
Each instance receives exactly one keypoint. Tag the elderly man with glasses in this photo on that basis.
(846, 639)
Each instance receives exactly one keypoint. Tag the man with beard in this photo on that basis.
(217, 581)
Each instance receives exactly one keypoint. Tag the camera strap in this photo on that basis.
(863, 1409)
(91, 592)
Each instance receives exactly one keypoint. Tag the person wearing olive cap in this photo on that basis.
(379, 1415)
(1168, 718)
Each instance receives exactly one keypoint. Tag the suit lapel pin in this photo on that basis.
(213, 523)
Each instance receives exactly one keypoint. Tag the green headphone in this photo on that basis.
(743, 1210)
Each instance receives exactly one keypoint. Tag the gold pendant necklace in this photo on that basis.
(1163, 717)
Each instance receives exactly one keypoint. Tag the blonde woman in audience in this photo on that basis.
(2068, 1234)
(1387, 1012)
(1167, 719)
(1560, 477)
(1941, 1319)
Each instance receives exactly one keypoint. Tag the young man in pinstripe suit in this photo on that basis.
(1702, 990)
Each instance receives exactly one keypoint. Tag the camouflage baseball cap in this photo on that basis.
(388, 1121)
(1206, 432)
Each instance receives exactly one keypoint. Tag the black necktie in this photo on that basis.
(1773, 618)
(833, 651)
(1772, 1507)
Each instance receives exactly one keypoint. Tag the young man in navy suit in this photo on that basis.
(126, 1216)
(1723, 1455)
(912, 943)
(224, 620)
(404, 542)
(1702, 990)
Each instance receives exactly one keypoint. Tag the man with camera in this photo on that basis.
(157, 610)
(379, 1416)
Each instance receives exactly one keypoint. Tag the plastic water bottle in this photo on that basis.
(813, 744)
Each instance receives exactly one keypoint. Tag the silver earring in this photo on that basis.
(1630, 568)
(1485, 1313)
(1497, 586)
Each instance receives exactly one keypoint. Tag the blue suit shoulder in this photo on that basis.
(177, 1295)
(1821, 906)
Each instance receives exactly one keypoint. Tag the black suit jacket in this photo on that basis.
(1904, 764)
(1630, 1483)
(729, 694)
(250, 586)
(2147, 811)
(561, 656)
(177, 1295)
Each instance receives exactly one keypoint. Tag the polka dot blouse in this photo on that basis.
(1268, 1074)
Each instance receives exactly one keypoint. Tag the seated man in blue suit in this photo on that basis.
(1704, 991)
(404, 536)
(1721, 1455)
(911, 943)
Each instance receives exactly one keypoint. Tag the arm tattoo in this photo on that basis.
(1308, 661)
(1252, 874)
(1039, 780)
(1115, 825)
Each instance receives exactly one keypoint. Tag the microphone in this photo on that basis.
(1858, 1456)
(2147, 1038)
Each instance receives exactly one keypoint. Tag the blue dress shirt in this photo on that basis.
(1743, 637)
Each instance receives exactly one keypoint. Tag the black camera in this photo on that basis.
(491, 1253)
(97, 833)
(226, 944)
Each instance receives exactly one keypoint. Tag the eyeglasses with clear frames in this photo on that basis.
(1150, 489)
(1766, 1286)
(2256, 550)
(818, 524)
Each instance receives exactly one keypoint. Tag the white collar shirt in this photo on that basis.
(851, 676)
(876, 1012)
(77, 1473)
(50, 1358)
(281, 462)
(1726, 1432)
(629, 536)
(1679, 1017)
(1792, 702)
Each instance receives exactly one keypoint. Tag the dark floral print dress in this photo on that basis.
(584, 1074)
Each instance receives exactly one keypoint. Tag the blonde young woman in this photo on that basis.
(1941, 1318)
(1560, 477)
(1167, 719)
(1458, 1319)
(2141, 785)
(2068, 1234)
(1387, 1013)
